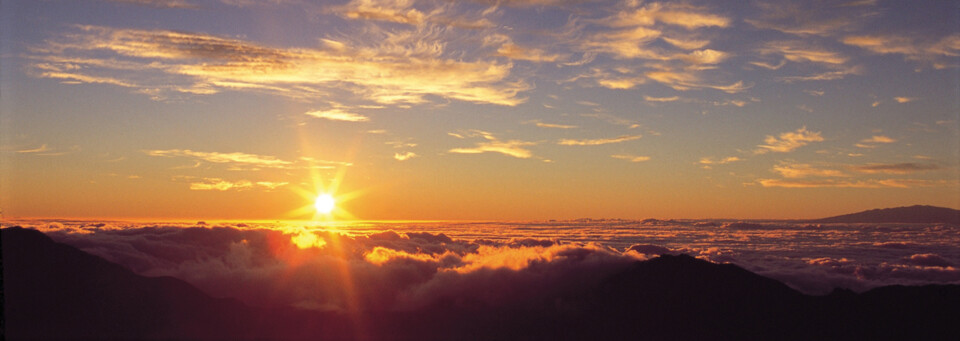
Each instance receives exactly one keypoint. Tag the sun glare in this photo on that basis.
(324, 204)
(306, 240)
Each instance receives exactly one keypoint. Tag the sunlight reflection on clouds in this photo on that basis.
(404, 265)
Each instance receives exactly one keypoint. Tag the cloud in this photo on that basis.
(918, 183)
(404, 12)
(811, 19)
(402, 67)
(493, 145)
(507, 48)
(686, 80)
(239, 160)
(631, 158)
(649, 249)
(895, 168)
(556, 126)
(818, 183)
(800, 52)
(832, 183)
(769, 66)
(672, 14)
(803, 170)
(632, 33)
(338, 114)
(661, 99)
(160, 3)
(271, 184)
(404, 156)
(824, 76)
(788, 141)
(43, 148)
(940, 53)
(402, 143)
(620, 83)
(597, 142)
(394, 266)
(216, 157)
(217, 184)
(870, 142)
(612, 119)
(723, 161)
(904, 99)
(686, 44)
(928, 259)
(512, 148)
(377, 271)
(392, 11)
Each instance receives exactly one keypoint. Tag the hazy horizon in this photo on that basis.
(12, 221)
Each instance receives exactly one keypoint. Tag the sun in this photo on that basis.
(324, 204)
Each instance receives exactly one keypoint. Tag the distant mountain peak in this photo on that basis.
(910, 214)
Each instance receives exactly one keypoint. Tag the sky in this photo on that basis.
(504, 110)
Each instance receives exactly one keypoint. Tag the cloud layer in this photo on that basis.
(399, 266)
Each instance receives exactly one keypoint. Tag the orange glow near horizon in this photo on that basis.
(307, 239)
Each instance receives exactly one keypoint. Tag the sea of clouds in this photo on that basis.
(385, 266)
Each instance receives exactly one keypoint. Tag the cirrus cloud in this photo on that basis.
(597, 142)
(161, 62)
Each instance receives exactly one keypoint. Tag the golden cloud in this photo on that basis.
(723, 161)
(217, 184)
(512, 148)
(940, 53)
(878, 139)
(788, 141)
(631, 158)
(803, 170)
(895, 168)
(403, 68)
(672, 14)
(493, 145)
(830, 183)
(404, 156)
(253, 161)
(337, 114)
(556, 126)
(597, 142)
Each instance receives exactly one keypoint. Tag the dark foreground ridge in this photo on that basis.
(55, 291)
(917, 214)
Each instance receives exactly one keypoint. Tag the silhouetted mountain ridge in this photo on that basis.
(913, 214)
(55, 291)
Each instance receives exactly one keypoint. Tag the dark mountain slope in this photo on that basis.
(53, 290)
(913, 214)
